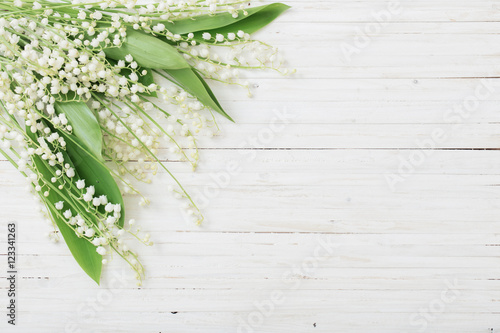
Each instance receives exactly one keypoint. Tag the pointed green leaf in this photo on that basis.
(250, 23)
(82, 250)
(93, 172)
(84, 123)
(148, 52)
(193, 83)
(205, 23)
(211, 94)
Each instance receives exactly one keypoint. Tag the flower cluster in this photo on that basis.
(79, 101)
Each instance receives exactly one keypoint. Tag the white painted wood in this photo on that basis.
(420, 255)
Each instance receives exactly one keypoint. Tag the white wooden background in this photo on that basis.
(419, 256)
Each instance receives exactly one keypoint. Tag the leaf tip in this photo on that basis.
(281, 6)
(96, 277)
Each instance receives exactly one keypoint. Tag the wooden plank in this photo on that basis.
(397, 246)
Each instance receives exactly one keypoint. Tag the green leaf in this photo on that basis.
(148, 52)
(193, 83)
(251, 23)
(84, 123)
(206, 23)
(211, 94)
(82, 250)
(94, 172)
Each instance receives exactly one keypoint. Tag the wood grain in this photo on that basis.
(350, 216)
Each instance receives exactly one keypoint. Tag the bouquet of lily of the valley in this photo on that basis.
(79, 99)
